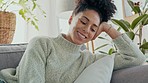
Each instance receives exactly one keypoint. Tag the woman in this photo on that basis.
(60, 60)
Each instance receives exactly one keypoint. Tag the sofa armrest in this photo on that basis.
(10, 54)
(137, 74)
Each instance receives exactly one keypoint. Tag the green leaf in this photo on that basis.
(1, 1)
(144, 46)
(22, 2)
(41, 10)
(131, 4)
(144, 41)
(15, 3)
(127, 24)
(137, 21)
(102, 38)
(28, 19)
(134, 8)
(145, 21)
(146, 1)
(101, 46)
(34, 5)
(111, 51)
(121, 24)
(119, 29)
(137, 8)
(22, 12)
(103, 52)
(143, 51)
(131, 35)
(35, 19)
(145, 10)
(35, 25)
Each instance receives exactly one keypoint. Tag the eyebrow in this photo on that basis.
(89, 20)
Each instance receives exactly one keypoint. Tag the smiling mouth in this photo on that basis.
(81, 35)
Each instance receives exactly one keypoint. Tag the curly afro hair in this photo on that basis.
(105, 8)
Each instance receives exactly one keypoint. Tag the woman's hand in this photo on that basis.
(105, 27)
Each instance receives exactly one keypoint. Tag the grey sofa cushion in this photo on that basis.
(10, 55)
(137, 74)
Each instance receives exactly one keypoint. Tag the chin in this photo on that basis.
(77, 42)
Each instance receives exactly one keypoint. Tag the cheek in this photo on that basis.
(79, 24)
(91, 36)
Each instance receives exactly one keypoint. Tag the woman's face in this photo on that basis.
(83, 27)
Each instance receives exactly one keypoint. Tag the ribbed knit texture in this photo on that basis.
(56, 60)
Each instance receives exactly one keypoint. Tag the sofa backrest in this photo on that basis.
(10, 54)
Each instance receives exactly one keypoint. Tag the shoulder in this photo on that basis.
(41, 38)
(40, 41)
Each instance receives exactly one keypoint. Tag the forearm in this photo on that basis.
(112, 32)
(128, 53)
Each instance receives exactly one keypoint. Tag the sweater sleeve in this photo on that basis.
(32, 66)
(128, 53)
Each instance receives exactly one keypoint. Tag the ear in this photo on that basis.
(70, 19)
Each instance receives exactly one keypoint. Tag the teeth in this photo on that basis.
(81, 35)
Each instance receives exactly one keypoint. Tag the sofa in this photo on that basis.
(10, 55)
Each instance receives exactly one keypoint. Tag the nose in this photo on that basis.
(86, 29)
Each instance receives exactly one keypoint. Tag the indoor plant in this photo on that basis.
(134, 28)
(25, 8)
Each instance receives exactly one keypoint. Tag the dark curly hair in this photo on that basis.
(105, 8)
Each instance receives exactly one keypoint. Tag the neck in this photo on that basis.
(67, 37)
(68, 45)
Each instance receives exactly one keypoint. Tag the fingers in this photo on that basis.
(99, 31)
(102, 28)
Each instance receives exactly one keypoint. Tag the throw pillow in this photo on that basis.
(98, 72)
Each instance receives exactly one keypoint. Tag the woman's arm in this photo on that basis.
(32, 66)
(128, 53)
(104, 27)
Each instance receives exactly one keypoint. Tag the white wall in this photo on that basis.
(44, 23)
(49, 26)
(20, 31)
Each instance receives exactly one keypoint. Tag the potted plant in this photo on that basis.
(26, 9)
(134, 28)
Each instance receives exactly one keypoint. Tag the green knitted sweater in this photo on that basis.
(56, 60)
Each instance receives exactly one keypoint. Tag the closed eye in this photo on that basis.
(93, 30)
(82, 22)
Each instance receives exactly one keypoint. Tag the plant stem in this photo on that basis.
(140, 34)
(3, 5)
(8, 5)
(145, 4)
